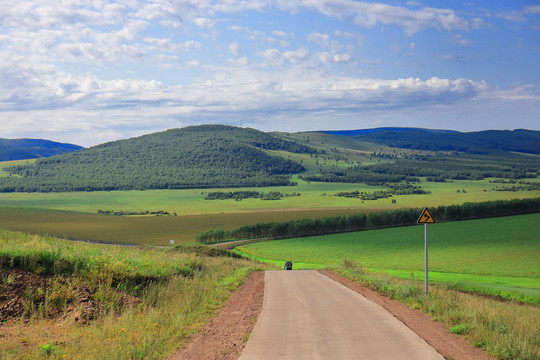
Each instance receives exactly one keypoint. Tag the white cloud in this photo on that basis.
(532, 9)
(204, 23)
(234, 47)
(327, 58)
(459, 39)
(193, 63)
(369, 14)
(279, 33)
(113, 32)
(516, 16)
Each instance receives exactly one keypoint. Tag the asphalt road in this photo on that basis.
(307, 315)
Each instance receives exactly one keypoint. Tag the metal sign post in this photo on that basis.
(425, 258)
(426, 218)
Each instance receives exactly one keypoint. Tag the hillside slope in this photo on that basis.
(192, 157)
(22, 149)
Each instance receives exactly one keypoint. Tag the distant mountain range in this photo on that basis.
(380, 129)
(479, 142)
(21, 149)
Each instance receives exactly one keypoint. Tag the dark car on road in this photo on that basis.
(288, 265)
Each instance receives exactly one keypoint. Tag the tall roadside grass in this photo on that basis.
(506, 330)
(177, 292)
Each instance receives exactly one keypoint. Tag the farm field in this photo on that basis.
(501, 252)
(74, 214)
(148, 230)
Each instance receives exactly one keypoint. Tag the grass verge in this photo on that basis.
(506, 330)
(178, 292)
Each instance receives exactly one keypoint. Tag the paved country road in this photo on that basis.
(307, 315)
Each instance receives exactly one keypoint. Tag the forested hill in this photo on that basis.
(21, 149)
(192, 157)
(481, 142)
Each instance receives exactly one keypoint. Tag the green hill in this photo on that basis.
(193, 157)
(22, 149)
(389, 155)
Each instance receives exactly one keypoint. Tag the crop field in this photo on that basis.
(149, 230)
(501, 252)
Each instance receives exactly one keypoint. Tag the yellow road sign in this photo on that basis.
(426, 217)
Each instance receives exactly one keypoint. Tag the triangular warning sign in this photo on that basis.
(426, 217)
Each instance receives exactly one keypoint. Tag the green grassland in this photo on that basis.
(498, 251)
(314, 195)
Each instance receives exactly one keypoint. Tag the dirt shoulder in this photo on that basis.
(225, 336)
(449, 345)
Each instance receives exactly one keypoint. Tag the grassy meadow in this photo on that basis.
(497, 253)
(314, 195)
(178, 292)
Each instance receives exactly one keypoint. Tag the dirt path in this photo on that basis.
(225, 336)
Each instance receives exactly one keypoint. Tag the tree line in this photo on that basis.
(395, 189)
(435, 168)
(358, 222)
(127, 212)
(239, 195)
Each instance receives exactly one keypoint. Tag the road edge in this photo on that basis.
(224, 336)
(450, 346)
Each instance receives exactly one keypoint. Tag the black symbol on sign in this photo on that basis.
(426, 217)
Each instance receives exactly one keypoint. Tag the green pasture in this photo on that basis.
(498, 251)
(314, 195)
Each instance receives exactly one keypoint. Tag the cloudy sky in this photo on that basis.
(91, 71)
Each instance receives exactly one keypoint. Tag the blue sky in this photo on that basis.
(88, 72)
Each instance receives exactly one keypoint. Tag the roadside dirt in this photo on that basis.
(22, 292)
(225, 336)
(15, 288)
(449, 345)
